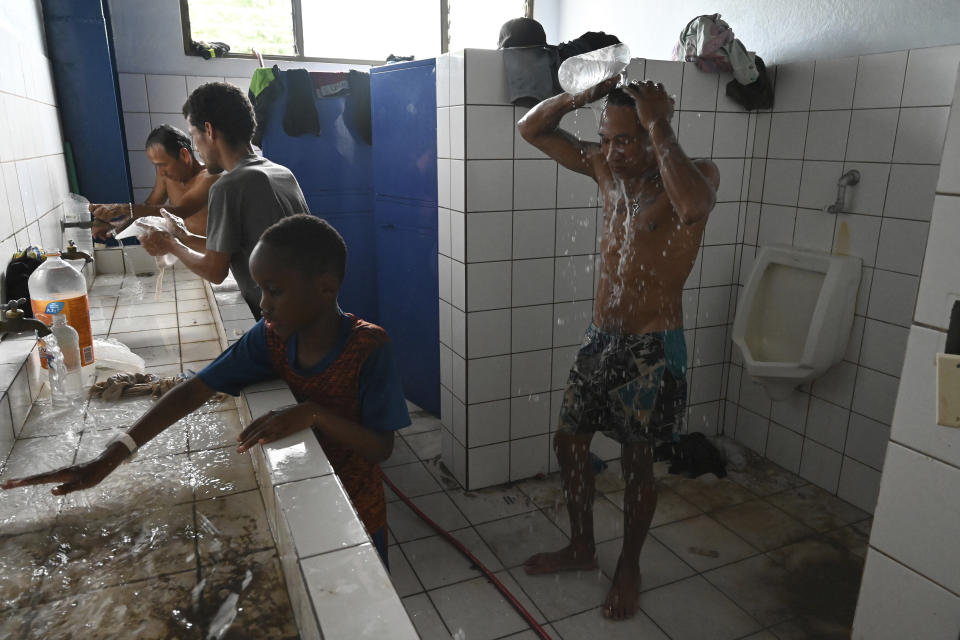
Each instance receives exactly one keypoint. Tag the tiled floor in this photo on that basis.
(171, 545)
(760, 554)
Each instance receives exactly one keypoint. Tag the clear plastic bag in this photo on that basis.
(141, 227)
(113, 355)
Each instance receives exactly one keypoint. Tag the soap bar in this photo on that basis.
(948, 390)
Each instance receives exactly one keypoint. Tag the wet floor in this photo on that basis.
(759, 555)
(174, 544)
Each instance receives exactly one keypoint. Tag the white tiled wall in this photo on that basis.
(521, 262)
(33, 182)
(148, 101)
(886, 116)
(916, 523)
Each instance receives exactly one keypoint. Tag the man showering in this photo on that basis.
(629, 377)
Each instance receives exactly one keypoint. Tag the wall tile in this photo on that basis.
(706, 385)
(133, 92)
(458, 185)
(867, 440)
(488, 422)
(489, 465)
(880, 80)
(883, 346)
(820, 465)
(752, 430)
(165, 94)
(457, 78)
(489, 236)
(920, 134)
(731, 175)
(490, 132)
(488, 379)
(522, 148)
(669, 74)
(533, 233)
(814, 230)
(950, 163)
(488, 333)
(827, 423)
(443, 132)
(837, 384)
(761, 139)
(696, 133)
(784, 447)
(872, 134)
(902, 245)
(782, 182)
(575, 189)
(710, 345)
(787, 134)
(901, 507)
(530, 372)
(488, 285)
(938, 285)
(915, 418)
(142, 172)
(930, 76)
(458, 332)
(722, 224)
(573, 279)
(699, 89)
(724, 102)
(532, 282)
(911, 191)
(712, 308)
(792, 412)
(485, 80)
(868, 195)
(570, 321)
(794, 86)
(137, 127)
(532, 327)
(893, 298)
(529, 415)
(717, 265)
(730, 135)
(857, 235)
(582, 123)
(833, 83)
(443, 182)
(458, 132)
(875, 395)
(859, 485)
(576, 231)
(895, 602)
(776, 225)
(827, 135)
(489, 185)
(443, 231)
(535, 184)
(529, 456)
(458, 236)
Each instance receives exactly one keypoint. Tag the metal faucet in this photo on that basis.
(850, 178)
(72, 253)
(82, 224)
(12, 320)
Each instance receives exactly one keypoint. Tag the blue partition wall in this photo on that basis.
(404, 105)
(334, 172)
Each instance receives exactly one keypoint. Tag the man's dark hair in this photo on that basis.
(620, 98)
(225, 107)
(309, 244)
(171, 139)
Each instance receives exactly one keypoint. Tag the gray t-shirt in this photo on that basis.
(242, 204)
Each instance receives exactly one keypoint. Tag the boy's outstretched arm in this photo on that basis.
(375, 446)
(183, 399)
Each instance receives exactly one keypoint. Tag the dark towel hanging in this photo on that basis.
(301, 115)
(756, 95)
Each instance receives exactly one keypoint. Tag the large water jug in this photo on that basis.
(56, 287)
(579, 73)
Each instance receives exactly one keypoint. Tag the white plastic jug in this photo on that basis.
(579, 73)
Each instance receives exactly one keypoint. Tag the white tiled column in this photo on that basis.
(912, 544)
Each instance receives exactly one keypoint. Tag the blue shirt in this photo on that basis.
(383, 406)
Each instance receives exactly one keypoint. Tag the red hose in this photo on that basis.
(459, 545)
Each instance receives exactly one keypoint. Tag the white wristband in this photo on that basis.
(127, 441)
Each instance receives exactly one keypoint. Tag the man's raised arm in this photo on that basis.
(541, 128)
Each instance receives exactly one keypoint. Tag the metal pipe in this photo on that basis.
(850, 178)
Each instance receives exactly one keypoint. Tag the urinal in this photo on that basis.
(794, 316)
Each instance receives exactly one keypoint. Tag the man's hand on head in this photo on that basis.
(596, 92)
(652, 101)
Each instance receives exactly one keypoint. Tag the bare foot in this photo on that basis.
(622, 598)
(567, 559)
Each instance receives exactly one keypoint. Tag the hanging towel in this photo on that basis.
(358, 105)
(756, 95)
(264, 99)
(301, 115)
(709, 43)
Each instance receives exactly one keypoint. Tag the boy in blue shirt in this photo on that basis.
(340, 369)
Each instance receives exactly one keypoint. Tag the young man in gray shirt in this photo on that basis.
(252, 194)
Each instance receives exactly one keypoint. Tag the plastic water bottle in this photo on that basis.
(579, 73)
(57, 288)
(66, 383)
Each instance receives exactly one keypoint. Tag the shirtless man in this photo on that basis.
(181, 179)
(628, 380)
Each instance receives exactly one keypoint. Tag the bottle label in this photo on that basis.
(77, 311)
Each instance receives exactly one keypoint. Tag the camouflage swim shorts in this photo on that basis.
(631, 387)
